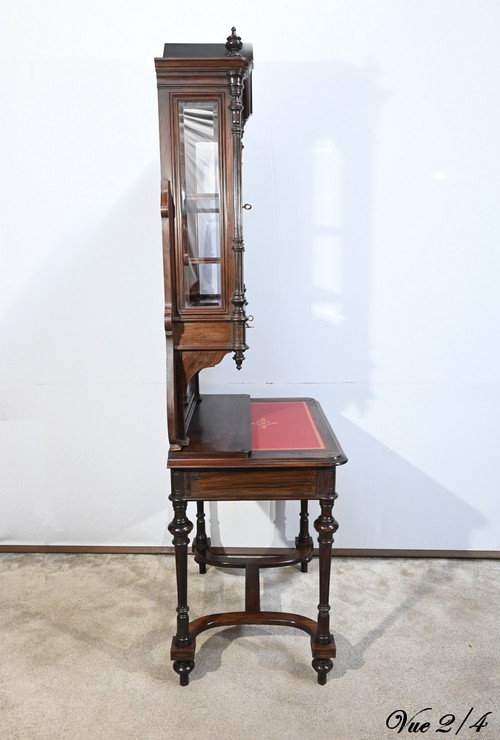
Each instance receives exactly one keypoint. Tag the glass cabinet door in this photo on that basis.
(200, 203)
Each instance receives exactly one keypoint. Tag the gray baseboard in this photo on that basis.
(251, 551)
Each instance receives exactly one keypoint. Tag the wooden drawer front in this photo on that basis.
(203, 334)
(251, 485)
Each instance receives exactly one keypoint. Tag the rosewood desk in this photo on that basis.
(243, 449)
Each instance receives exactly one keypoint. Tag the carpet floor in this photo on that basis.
(85, 647)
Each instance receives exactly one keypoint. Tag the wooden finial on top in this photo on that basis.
(233, 43)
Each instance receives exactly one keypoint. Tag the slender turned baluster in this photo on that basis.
(180, 528)
(304, 537)
(326, 526)
(236, 81)
(201, 539)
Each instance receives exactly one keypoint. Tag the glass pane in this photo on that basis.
(201, 234)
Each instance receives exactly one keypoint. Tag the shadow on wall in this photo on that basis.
(313, 181)
(422, 515)
(322, 119)
(322, 168)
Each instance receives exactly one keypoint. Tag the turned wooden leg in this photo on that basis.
(326, 526)
(180, 528)
(201, 539)
(304, 538)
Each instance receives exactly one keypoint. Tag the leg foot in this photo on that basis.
(183, 668)
(322, 668)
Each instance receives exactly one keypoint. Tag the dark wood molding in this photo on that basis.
(88, 549)
(254, 551)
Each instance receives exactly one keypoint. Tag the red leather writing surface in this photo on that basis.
(284, 425)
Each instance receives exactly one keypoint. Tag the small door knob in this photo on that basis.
(247, 207)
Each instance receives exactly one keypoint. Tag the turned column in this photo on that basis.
(180, 528)
(325, 526)
(304, 538)
(201, 541)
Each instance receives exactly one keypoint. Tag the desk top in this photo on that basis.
(237, 431)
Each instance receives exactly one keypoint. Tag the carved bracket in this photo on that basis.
(193, 362)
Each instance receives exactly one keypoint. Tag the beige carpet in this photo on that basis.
(85, 641)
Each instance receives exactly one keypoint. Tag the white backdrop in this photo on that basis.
(372, 163)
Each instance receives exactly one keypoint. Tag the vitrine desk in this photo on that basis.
(226, 447)
(244, 449)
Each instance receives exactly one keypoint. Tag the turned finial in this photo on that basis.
(233, 43)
